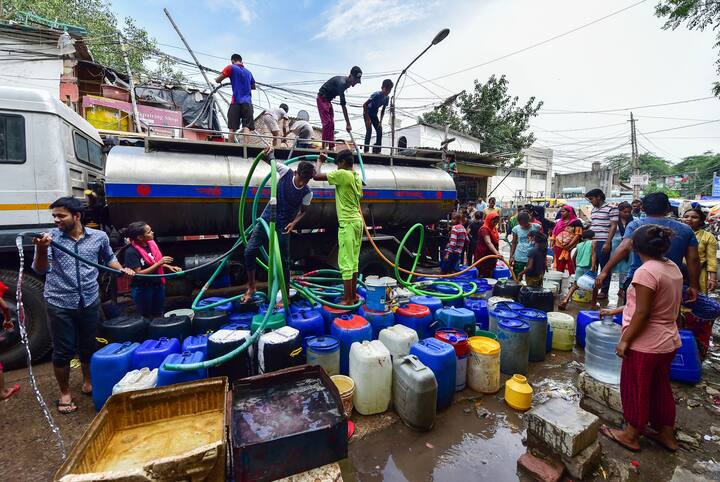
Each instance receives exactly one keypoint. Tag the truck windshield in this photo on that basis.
(88, 151)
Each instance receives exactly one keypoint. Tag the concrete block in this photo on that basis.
(580, 467)
(583, 464)
(326, 472)
(603, 393)
(602, 411)
(564, 426)
(542, 470)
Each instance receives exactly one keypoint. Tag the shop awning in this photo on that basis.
(475, 170)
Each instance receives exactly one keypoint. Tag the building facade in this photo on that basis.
(576, 184)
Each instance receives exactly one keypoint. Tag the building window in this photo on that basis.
(519, 173)
(88, 151)
(402, 142)
(538, 175)
(12, 139)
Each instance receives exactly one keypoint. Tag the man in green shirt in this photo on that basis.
(348, 191)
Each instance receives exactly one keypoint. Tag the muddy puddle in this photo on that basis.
(478, 438)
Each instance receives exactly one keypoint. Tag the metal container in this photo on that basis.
(148, 184)
(286, 422)
(137, 437)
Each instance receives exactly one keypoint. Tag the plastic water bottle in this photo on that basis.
(601, 361)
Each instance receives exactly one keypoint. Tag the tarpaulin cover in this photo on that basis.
(193, 104)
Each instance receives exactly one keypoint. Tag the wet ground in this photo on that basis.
(478, 438)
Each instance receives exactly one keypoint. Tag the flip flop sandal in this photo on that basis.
(654, 437)
(609, 434)
(61, 405)
(13, 390)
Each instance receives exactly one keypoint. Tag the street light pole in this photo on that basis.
(436, 40)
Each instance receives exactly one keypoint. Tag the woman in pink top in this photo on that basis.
(649, 341)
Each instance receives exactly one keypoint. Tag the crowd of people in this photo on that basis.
(662, 264)
(240, 114)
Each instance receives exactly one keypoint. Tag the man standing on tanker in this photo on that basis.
(293, 198)
(348, 191)
(336, 86)
(241, 108)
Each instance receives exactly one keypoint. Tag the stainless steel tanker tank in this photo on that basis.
(182, 193)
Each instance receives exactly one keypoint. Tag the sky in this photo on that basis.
(620, 62)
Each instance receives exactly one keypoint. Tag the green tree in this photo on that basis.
(488, 112)
(653, 187)
(97, 17)
(649, 164)
(704, 165)
(697, 15)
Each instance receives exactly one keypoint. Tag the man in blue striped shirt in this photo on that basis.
(72, 293)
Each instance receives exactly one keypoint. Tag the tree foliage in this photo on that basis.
(696, 15)
(97, 17)
(649, 164)
(704, 165)
(488, 112)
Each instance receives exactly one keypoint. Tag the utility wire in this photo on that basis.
(538, 44)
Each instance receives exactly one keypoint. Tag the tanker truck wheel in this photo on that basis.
(12, 351)
(369, 263)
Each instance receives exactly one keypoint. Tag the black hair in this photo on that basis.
(285, 107)
(652, 240)
(235, 58)
(387, 84)
(477, 215)
(595, 193)
(656, 203)
(588, 234)
(620, 224)
(306, 170)
(539, 237)
(700, 214)
(576, 223)
(524, 217)
(491, 199)
(636, 201)
(75, 206)
(456, 214)
(346, 156)
(134, 230)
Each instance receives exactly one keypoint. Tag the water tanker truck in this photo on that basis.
(188, 191)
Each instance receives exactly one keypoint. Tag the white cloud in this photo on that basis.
(349, 17)
(241, 7)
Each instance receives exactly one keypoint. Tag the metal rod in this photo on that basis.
(197, 62)
(136, 113)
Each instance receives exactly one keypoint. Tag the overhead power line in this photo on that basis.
(602, 111)
(538, 44)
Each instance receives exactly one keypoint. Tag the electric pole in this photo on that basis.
(635, 158)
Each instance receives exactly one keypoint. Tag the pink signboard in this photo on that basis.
(161, 121)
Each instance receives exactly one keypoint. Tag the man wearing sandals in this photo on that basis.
(72, 292)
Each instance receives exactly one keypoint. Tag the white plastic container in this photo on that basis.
(181, 312)
(398, 339)
(494, 300)
(483, 372)
(137, 380)
(414, 392)
(371, 370)
(563, 326)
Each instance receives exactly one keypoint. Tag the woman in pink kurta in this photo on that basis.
(649, 341)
